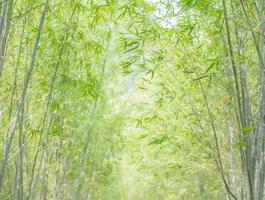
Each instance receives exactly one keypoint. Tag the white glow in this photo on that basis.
(163, 14)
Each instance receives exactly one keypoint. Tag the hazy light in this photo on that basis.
(165, 12)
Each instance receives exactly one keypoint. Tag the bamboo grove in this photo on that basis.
(132, 99)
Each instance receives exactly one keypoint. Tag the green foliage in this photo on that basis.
(128, 100)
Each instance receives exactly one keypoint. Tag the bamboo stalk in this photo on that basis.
(22, 98)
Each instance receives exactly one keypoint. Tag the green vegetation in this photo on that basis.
(132, 99)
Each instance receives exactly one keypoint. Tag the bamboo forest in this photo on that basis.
(132, 99)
